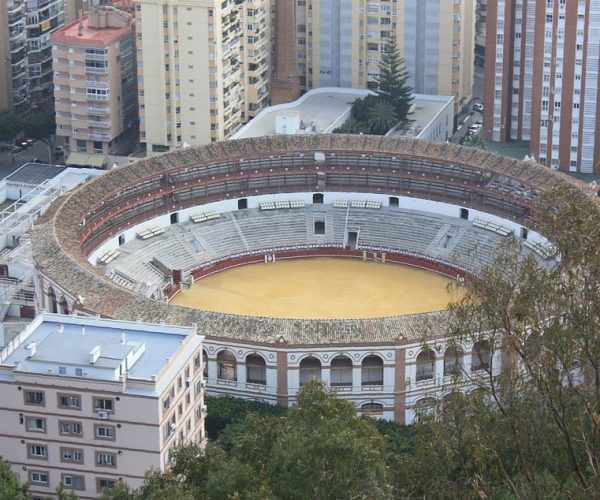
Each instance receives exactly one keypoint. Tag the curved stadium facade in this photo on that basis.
(122, 245)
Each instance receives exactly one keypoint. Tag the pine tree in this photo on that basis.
(392, 80)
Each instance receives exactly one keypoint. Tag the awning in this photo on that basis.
(86, 160)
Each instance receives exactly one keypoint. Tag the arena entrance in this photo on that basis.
(352, 239)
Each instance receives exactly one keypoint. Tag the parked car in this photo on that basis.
(478, 107)
(475, 128)
(24, 142)
(59, 150)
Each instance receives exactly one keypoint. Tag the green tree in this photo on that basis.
(42, 127)
(61, 494)
(9, 126)
(533, 429)
(475, 141)
(324, 451)
(10, 486)
(382, 117)
(392, 81)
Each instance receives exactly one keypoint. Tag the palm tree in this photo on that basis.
(382, 117)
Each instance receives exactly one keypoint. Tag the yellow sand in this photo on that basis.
(320, 288)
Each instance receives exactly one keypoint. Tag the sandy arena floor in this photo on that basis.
(320, 288)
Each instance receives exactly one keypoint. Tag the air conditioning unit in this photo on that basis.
(102, 415)
(203, 384)
(173, 426)
(188, 382)
(204, 409)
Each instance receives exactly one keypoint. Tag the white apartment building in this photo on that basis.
(203, 69)
(87, 402)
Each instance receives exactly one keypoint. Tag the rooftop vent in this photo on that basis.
(31, 348)
(95, 354)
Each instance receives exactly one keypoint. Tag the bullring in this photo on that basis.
(381, 363)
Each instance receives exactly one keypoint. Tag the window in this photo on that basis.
(102, 483)
(103, 404)
(36, 424)
(372, 371)
(481, 356)
(425, 365)
(37, 451)
(71, 455)
(34, 398)
(341, 371)
(310, 369)
(69, 401)
(66, 428)
(256, 371)
(38, 477)
(104, 432)
(105, 459)
(226, 364)
(72, 482)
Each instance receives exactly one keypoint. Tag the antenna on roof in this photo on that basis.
(80, 27)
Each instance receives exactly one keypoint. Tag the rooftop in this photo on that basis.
(325, 109)
(80, 32)
(320, 110)
(93, 348)
(34, 173)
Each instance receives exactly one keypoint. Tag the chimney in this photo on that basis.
(95, 354)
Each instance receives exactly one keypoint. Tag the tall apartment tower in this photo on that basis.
(541, 79)
(94, 80)
(340, 42)
(43, 18)
(203, 69)
(13, 57)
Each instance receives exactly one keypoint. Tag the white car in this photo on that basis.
(475, 128)
(478, 107)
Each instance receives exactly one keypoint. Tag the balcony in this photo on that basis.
(97, 97)
(96, 70)
(98, 111)
(100, 124)
(99, 137)
(97, 84)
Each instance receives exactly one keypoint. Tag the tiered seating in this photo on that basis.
(150, 233)
(545, 251)
(340, 204)
(204, 216)
(108, 257)
(492, 226)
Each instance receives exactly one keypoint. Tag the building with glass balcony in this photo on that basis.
(94, 80)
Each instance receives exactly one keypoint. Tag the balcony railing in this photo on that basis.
(99, 137)
(100, 124)
(98, 111)
(98, 85)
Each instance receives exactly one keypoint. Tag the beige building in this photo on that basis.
(340, 43)
(88, 402)
(94, 80)
(203, 69)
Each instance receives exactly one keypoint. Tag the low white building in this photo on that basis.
(323, 110)
(87, 402)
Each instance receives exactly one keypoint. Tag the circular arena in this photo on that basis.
(123, 245)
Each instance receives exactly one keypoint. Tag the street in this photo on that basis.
(9, 162)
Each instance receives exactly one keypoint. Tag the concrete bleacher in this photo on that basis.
(189, 245)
